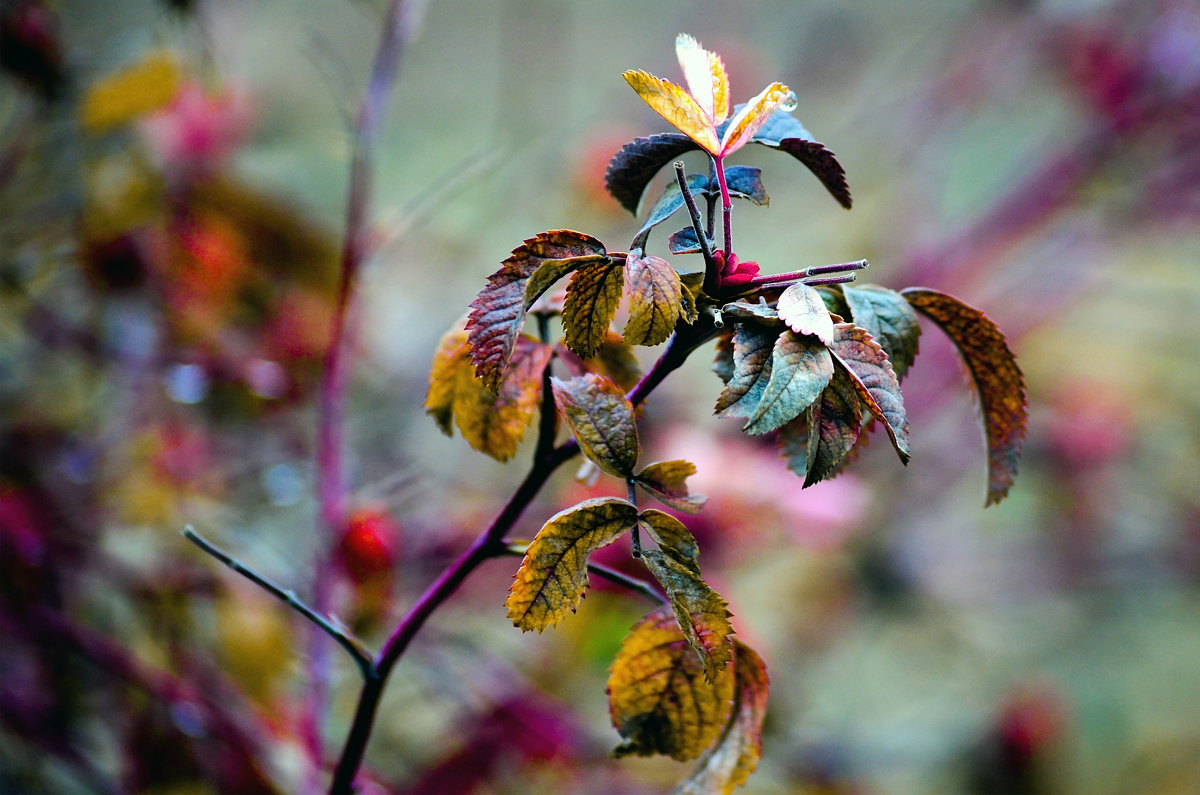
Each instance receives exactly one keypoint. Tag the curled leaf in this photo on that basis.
(667, 481)
(803, 309)
(876, 383)
(655, 294)
(601, 419)
(658, 698)
(553, 574)
(730, 761)
(998, 380)
(498, 312)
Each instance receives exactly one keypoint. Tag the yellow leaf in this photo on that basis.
(655, 296)
(593, 295)
(658, 698)
(730, 761)
(754, 114)
(131, 93)
(676, 106)
(495, 422)
(452, 355)
(700, 611)
(705, 76)
(553, 573)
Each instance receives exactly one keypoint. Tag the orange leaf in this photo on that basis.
(754, 114)
(667, 481)
(451, 356)
(705, 76)
(658, 698)
(553, 573)
(130, 93)
(997, 378)
(676, 106)
(730, 761)
(495, 422)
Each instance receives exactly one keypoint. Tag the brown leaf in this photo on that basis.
(997, 378)
(667, 481)
(701, 612)
(730, 761)
(872, 375)
(498, 312)
(592, 298)
(495, 422)
(553, 573)
(834, 422)
(654, 300)
(658, 697)
(601, 419)
(672, 536)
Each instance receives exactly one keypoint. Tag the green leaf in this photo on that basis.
(800, 368)
(592, 298)
(834, 422)
(667, 481)
(875, 381)
(655, 294)
(803, 310)
(700, 611)
(498, 312)
(636, 163)
(997, 378)
(601, 419)
(671, 535)
(553, 574)
(889, 319)
(744, 182)
(495, 422)
(735, 755)
(685, 242)
(752, 348)
(658, 697)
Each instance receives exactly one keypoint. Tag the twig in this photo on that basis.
(712, 275)
(337, 631)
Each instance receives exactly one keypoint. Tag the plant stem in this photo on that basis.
(398, 27)
(712, 272)
(726, 205)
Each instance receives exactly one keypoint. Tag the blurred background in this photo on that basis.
(172, 184)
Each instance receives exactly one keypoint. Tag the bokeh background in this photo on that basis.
(173, 178)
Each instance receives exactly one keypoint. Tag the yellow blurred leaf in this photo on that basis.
(452, 354)
(495, 422)
(553, 573)
(658, 698)
(130, 93)
(676, 106)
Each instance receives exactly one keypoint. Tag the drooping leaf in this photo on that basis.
(753, 115)
(552, 270)
(685, 242)
(667, 481)
(553, 574)
(792, 441)
(658, 698)
(451, 355)
(746, 182)
(654, 300)
(495, 422)
(823, 164)
(636, 163)
(498, 312)
(723, 364)
(800, 368)
(875, 381)
(752, 347)
(593, 295)
(705, 76)
(671, 535)
(803, 309)
(701, 612)
(997, 378)
(615, 360)
(601, 419)
(676, 105)
(889, 319)
(735, 755)
(834, 422)
(759, 312)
